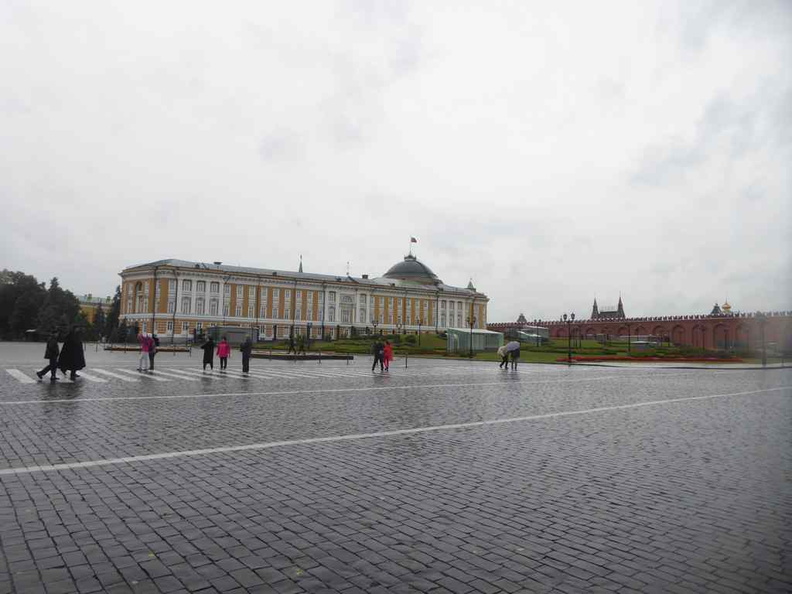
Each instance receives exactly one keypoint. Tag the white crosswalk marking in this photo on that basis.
(15, 373)
(92, 378)
(115, 375)
(177, 376)
(193, 373)
(145, 375)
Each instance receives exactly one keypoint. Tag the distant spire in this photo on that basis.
(300, 263)
(595, 310)
(347, 267)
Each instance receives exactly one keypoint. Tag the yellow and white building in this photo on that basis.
(177, 298)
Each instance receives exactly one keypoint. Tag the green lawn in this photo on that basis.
(434, 346)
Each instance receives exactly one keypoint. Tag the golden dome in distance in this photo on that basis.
(726, 307)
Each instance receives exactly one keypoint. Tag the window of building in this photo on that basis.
(459, 320)
(450, 305)
(199, 306)
(213, 306)
(251, 311)
(171, 305)
(227, 290)
(331, 296)
(345, 316)
(185, 308)
(238, 311)
(310, 314)
(298, 313)
(263, 311)
(170, 326)
(240, 291)
(362, 315)
(200, 286)
(287, 294)
(287, 313)
(186, 285)
(198, 325)
(459, 305)
(146, 288)
(251, 292)
(362, 299)
(331, 314)
(172, 285)
(299, 295)
(214, 287)
(225, 310)
(442, 320)
(185, 327)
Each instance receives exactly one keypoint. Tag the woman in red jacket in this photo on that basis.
(388, 354)
(223, 351)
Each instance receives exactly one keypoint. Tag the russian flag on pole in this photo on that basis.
(413, 240)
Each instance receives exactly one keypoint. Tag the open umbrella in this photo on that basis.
(513, 346)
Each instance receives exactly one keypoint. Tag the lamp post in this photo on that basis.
(309, 325)
(762, 319)
(374, 323)
(471, 320)
(568, 321)
(420, 323)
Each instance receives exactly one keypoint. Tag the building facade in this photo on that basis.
(181, 299)
(719, 330)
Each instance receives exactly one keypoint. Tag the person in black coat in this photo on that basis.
(247, 349)
(208, 349)
(379, 355)
(72, 357)
(51, 354)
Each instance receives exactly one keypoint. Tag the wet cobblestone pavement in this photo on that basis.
(444, 476)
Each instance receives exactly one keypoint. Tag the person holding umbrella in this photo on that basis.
(513, 350)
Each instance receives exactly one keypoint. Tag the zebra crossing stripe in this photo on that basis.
(193, 373)
(174, 375)
(92, 378)
(115, 375)
(146, 375)
(15, 373)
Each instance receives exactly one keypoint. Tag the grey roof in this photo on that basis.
(419, 281)
(412, 269)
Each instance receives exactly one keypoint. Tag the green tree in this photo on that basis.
(99, 322)
(60, 309)
(21, 296)
(111, 320)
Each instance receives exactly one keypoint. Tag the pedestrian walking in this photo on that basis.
(379, 355)
(51, 354)
(72, 357)
(224, 352)
(247, 350)
(208, 349)
(300, 344)
(504, 355)
(515, 356)
(145, 345)
(387, 354)
(153, 351)
(292, 348)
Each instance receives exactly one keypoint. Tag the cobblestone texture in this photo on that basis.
(682, 496)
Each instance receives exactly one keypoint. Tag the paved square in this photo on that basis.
(442, 476)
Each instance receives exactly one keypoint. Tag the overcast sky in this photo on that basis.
(552, 151)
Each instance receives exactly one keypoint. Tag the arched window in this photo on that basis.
(185, 305)
(331, 314)
(186, 285)
(199, 306)
(213, 305)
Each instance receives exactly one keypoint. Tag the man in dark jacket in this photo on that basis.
(379, 355)
(247, 349)
(51, 354)
(208, 357)
(72, 357)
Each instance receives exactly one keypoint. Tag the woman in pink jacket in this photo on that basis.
(224, 352)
